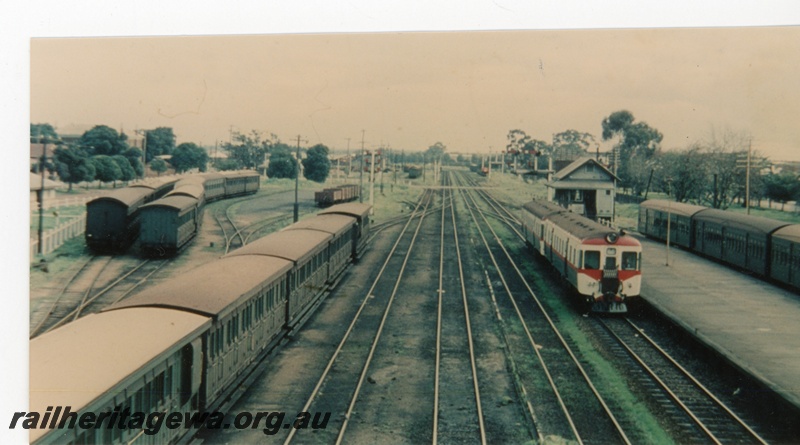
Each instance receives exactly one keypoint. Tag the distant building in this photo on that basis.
(36, 185)
(585, 187)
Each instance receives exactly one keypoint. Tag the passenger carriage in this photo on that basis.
(145, 360)
(246, 298)
(740, 240)
(361, 212)
(653, 216)
(340, 249)
(112, 220)
(785, 255)
(307, 250)
(169, 223)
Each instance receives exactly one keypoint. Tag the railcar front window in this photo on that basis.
(629, 260)
(591, 259)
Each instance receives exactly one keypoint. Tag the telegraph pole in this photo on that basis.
(42, 167)
(297, 182)
(747, 181)
(361, 172)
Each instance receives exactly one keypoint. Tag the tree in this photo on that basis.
(158, 142)
(188, 156)
(683, 173)
(126, 170)
(73, 165)
(249, 150)
(781, 187)
(104, 140)
(39, 131)
(436, 151)
(316, 165)
(726, 179)
(570, 145)
(158, 165)
(134, 157)
(281, 163)
(636, 139)
(106, 170)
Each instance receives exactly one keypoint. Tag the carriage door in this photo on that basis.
(610, 281)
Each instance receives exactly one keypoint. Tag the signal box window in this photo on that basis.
(591, 259)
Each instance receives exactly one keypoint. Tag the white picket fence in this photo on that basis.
(55, 238)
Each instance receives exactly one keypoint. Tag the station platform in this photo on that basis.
(751, 322)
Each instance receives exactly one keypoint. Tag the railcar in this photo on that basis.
(171, 222)
(653, 216)
(533, 217)
(361, 212)
(784, 265)
(602, 265)
(182, 345)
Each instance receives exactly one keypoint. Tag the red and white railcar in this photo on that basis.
(603, 265)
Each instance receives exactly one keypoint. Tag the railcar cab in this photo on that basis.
(609, 271)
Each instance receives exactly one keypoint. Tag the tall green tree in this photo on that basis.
(248, 150)
(188, 156)
(104, 140)
(126, 172)
(316, 165)
(42, 131)
(106, 170)
(282, 163)
(159, 141)
(134, 156)
(782, 187)
(635, 140)
(570, 145)
(73, 165)
(158, 165)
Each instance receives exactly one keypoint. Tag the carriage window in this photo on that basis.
(591, 259)
(629, 260)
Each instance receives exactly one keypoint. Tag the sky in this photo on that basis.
(408, 73)
(408, 90)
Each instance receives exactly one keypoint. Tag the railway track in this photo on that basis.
(78, 298)
(457, 418)
(583, 413)
(700, 415)
(357, 348)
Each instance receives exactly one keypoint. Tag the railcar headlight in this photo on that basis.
(612, 237)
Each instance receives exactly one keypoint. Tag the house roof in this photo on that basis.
(36, 183)
(581, 185)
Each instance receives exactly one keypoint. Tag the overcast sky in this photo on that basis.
(410, 90)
